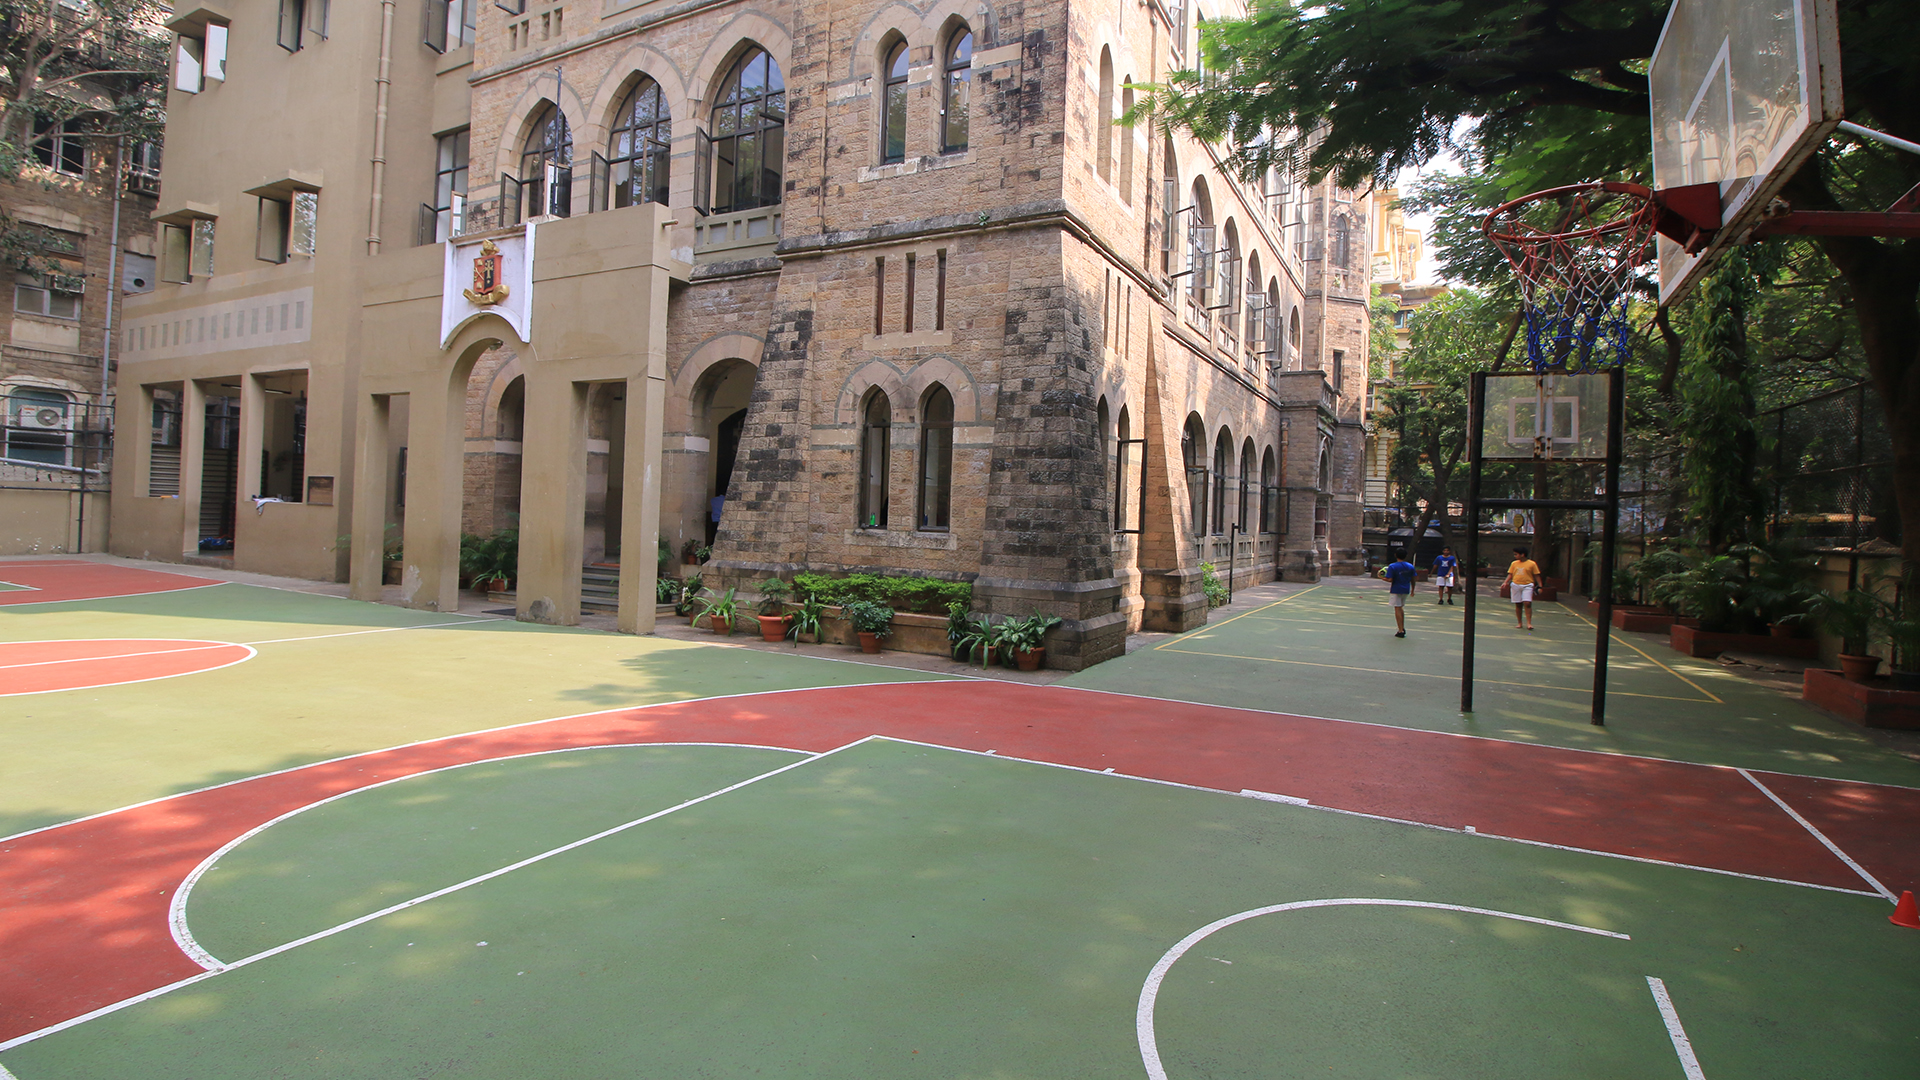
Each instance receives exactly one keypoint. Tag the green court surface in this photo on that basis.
(332, 677)
(1329, 650)
(892, 909)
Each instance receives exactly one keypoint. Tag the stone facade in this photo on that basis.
(1018, 300)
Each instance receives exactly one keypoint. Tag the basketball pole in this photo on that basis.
(1609, 536)
(1476, 417)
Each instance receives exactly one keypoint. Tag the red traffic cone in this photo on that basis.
(1906, 913)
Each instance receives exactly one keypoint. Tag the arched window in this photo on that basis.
(1256, 304)
(1246, 487)
(1276, 331)
(1293, 339)
(1125, 135)
(1126, 480)
(1342, 241)
(1269, 494)
(641, 148)
(1228, 278)
(936, 459)
(547, 155)
(1222, 461)
(1101, 417)
(1170, 206)
(36, 426)
(1193, 452)
(1200, 255)
(893, 106)
(955, 88)
(876, 426)
(749, 135)
(1103, 135)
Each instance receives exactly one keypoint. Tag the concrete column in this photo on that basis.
(193, 457)
(640, 505)
(133, 460)
(553, 500)
(253, 428)
(370, 497)
(430, 533)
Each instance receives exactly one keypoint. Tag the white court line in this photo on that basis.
(5, 1075)
(1682, 1045)
(471, 621)
(1294, 800)
(113, 656)
(1150, 992)
(22, 587)
(416, 901)
(1820, 836)
(251, 653)
(449, 737)
(116, 596)
(177, 907)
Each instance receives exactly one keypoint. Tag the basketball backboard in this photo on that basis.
(1545, 416)
(1743, 92)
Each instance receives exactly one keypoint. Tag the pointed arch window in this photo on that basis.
(1193, 452)
(893, 106)
(936, 460)
(1247, 477)
(749, 135)
(1103, 153)
(1222, 461)
(546, 165)
(641, 147)
(876, 432)
(956, 87)
(1269, 494)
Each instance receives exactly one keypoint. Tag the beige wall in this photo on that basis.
(47, 522)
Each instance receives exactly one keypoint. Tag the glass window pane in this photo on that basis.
(896, 134)
(201, 262)
(958, 85)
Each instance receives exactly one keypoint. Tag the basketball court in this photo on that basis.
(758, 861)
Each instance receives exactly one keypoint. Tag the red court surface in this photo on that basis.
(39, 667)
(53, 580)
(84, 906)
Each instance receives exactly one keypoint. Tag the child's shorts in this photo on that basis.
(1522, 594)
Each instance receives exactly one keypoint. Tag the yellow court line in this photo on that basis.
(1242, 615)
(1616, 637)
(1427, 675)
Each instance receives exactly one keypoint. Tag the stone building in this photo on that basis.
(819, 285)
(79, 241)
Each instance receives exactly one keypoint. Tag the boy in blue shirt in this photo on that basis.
(1399, 577)
(1445, 567)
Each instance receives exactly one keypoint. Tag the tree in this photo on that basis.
(1426, 410)
(96, 67)
(1716, 410)
(1557, 93)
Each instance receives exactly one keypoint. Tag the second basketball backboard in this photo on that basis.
(1743, 92)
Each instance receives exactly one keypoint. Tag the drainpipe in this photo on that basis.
(113, 267)
(381, 82)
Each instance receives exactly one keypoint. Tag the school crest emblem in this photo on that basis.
(488, 288)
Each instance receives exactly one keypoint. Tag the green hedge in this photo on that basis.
(901, 593)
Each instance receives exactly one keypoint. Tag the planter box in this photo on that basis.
(1642, 621)
(1695, 642)
(1554, 584)
(1593, 608)
(1871, 704)
(1541, 594)
(911, 633)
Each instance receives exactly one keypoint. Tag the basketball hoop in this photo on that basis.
(1575, 249)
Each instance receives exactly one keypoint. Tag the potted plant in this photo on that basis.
(983, 641)
(666, 590)
(496, 560)
(1852, 617)
(721, 612)
(872, 621)
(1903, 634)
(807, 616)
(1026, 638)
(1778, 591)
(960, 627)
(689, 597)
(772, 610)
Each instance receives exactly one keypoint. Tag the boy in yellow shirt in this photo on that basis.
(1522, 576)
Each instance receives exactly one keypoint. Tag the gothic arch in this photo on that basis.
(878, 375)
(894, 18)
(513, 136)
(744, 31)
(732, 345)
(940, 369)
(639, 62)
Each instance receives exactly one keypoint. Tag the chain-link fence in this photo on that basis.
(1827, 472)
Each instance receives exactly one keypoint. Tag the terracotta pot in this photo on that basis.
(1858, 668)
(1029, 659)
(869, 643)
(390, 573)
(774, 627)
(723, 627)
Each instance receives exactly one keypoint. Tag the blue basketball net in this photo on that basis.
(1575, 251)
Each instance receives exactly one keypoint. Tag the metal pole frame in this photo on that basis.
(1609, 538)
(1476, 417)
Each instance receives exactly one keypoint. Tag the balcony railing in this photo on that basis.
(737, 232)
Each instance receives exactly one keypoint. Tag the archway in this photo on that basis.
(718, 417)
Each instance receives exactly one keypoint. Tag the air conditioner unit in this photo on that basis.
(41, 417)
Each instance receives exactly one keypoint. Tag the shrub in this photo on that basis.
(898, 591)
(868, 617)
(1211, 585)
